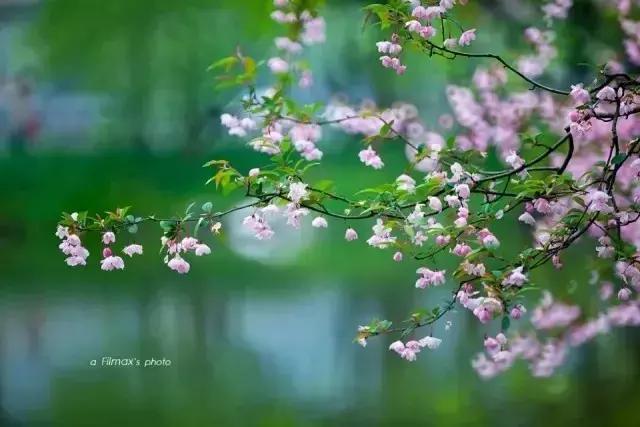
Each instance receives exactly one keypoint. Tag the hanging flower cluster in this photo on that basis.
(578, 181)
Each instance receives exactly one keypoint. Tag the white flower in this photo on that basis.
(62, 232)
(112, 263)
(435, 204)
(406, 183)
(202, 249)
(350, 234)
(527, 218)
(319, 222)
(298, 191)
(179, 265)
(132, 249)
(430, 342)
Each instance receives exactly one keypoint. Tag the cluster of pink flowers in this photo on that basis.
(177, 249)
(110, 261)
(391, 49)
(78, 254)
(72, 247)
(236, 126)
(429, 278)
(304, 138)
(409, 350)
(557, 9)
(382, 237)
(551, 314)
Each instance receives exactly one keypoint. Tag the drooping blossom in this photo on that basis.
(108, 238)
(429, 278)
(179, 265)
(467, 37)
(319, 222)
(111, 262)
(298, 192)
(202, 249)
(370, 158)
(132, 250)
(382, 237)
(350, 235)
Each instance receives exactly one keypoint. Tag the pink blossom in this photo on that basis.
(407, 352)
(108, 238)
(132, 250)
(514, 160)
(406, 183)
(179, 265)
(463, 191)
(74, 261)
(319, 222)
(350, 235)
(370, 158)
(597, 201)
(487, 239)
(313, 31)
(515, 278)
(542, 205)
(382, 237)
(278, 65)
(259, 226)
(202, 249)
(624, 294)
(397, 257)
(294, 214)
(112, 263)
(413, 26)
(431, 343)
(450, 43)
(606, 94)
(517, 311)
(283, 18)
(462, 250)
(443, 240)
(427, 32)
(549, 314)
(527, 218)
(482, 313)
(467, 37)
(429, 278)
(580, 95)
(288, 45)
(298, 192)
(419, 12)
(435, 204)
(62, 232)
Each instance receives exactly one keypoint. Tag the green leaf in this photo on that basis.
(207, 207)
(619, 158)
(225, 63)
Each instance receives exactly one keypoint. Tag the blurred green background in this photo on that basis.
(123, 112)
